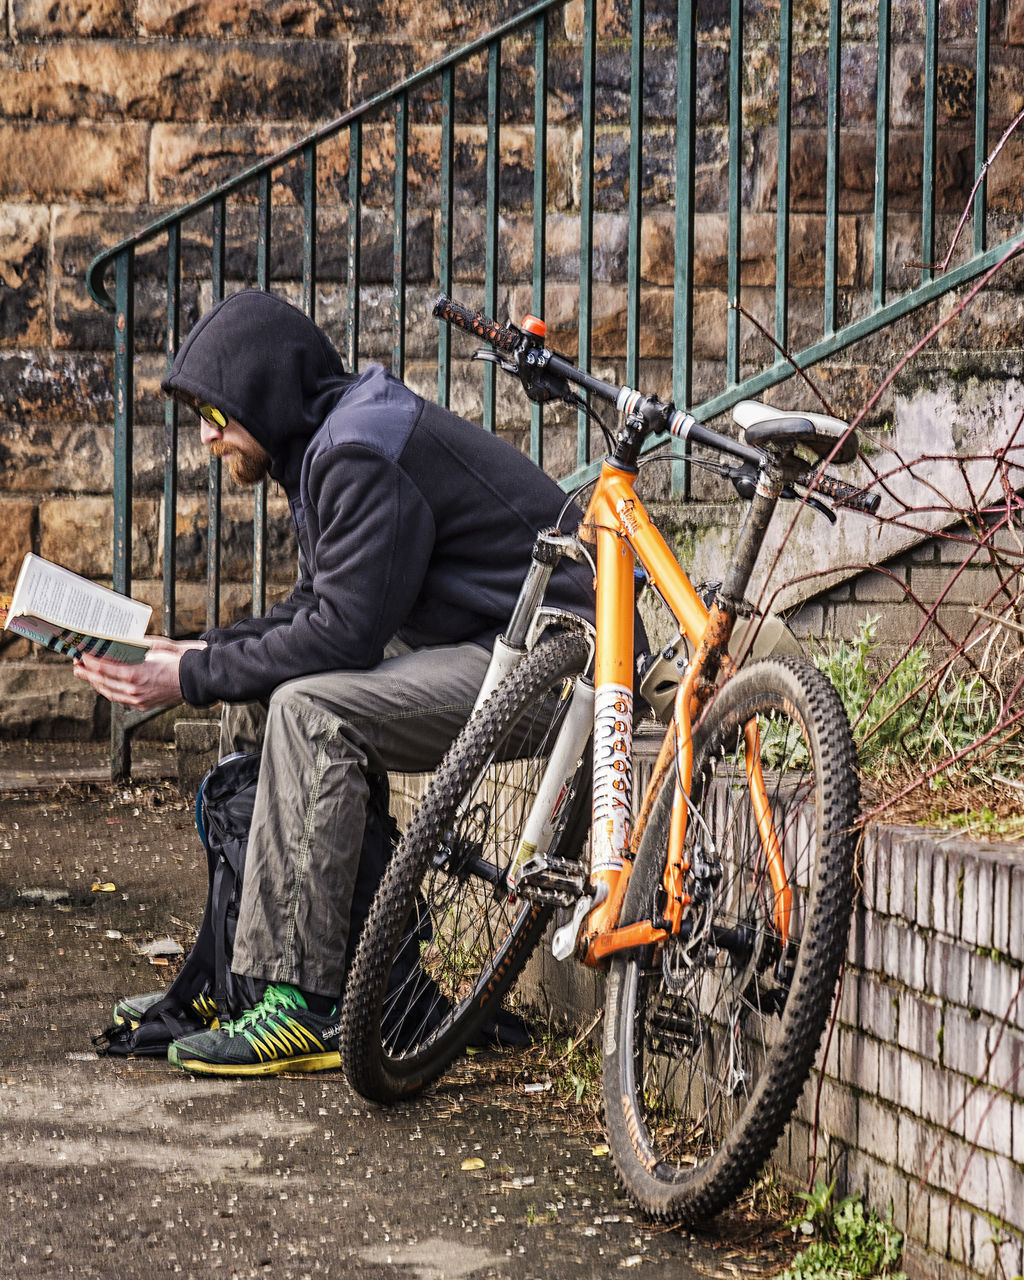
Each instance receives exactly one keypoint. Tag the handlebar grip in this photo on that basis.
(504, 337)
(847, 495)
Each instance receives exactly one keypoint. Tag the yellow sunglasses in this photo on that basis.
(211, 414)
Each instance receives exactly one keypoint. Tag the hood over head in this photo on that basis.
(264, 363)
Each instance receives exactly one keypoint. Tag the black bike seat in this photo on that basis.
(763, 424)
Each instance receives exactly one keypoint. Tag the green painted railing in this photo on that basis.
(488, 151)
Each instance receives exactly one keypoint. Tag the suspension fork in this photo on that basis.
(570, 743)
(510, 647)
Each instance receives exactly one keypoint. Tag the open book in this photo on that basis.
(72, 615)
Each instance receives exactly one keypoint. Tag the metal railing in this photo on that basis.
(474, 161)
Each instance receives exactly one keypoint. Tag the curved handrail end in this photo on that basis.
(94, 279)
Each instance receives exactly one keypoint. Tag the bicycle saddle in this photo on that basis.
(763, 424)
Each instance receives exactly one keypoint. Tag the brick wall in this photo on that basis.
(921, 1101)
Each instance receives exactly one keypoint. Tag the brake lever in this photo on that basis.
(539, 383)
(492, 357)
(816, 503)
(744, 480)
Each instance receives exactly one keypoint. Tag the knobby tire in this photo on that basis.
(444, 942)
(709, 1038)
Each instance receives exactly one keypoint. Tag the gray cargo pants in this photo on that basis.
(322, 733)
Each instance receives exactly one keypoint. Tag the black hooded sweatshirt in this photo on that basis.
(411, 522)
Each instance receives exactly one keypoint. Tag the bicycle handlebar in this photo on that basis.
(530, 356)
(846, 495)
(504, 337)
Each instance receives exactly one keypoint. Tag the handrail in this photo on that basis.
(600, 127)
(99, 265)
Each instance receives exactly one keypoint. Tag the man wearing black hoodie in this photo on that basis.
(414, 530)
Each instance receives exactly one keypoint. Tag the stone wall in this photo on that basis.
(113, 112)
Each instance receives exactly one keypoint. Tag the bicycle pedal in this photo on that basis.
(557, 882)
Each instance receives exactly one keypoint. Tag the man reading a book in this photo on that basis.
(415, 530)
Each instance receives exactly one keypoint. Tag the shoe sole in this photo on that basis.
(273, 1067)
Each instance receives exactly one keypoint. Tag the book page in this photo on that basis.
(62, 597)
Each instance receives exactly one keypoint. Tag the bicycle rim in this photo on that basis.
(410, 1009)
(710, 1037)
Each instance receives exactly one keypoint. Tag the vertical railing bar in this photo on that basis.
(446, 231)
(170, 512)
(832, 166)
(217, 285)
(309, 216)
(217, 264)
(636, 170)
(309, 229)
(540, 205)
(882, 127)
(931, 69)
(587, 149)
(401, 219)
(259, 507)
(263, 231)
(355, 180)
(734, 283)
(493, 163)
(686, 136)
(124, 425)
(782, 201)
(981, 128)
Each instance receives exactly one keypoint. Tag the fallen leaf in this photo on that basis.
(600, 1150)
(108, 887)
(474, 1162)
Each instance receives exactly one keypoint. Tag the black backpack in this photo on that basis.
(224, 806)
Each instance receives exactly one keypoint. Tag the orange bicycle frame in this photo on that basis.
(623, 532)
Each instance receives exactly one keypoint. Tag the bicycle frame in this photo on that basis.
(617, 522)
(622, 531)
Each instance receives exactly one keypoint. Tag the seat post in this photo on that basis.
(752, 531)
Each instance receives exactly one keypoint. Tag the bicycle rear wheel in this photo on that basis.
(445, 939)
(710, 1037)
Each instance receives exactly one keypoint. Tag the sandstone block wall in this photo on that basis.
(113, 112)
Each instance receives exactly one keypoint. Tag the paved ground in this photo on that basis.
(133, 1169)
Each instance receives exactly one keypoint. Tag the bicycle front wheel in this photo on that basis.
(445, 939)
(710, 1037)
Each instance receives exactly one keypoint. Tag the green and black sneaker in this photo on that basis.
(131, 1009)
(278, 1034)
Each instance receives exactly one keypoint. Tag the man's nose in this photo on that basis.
(208, 432)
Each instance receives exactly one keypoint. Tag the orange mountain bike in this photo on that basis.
(719, 905)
